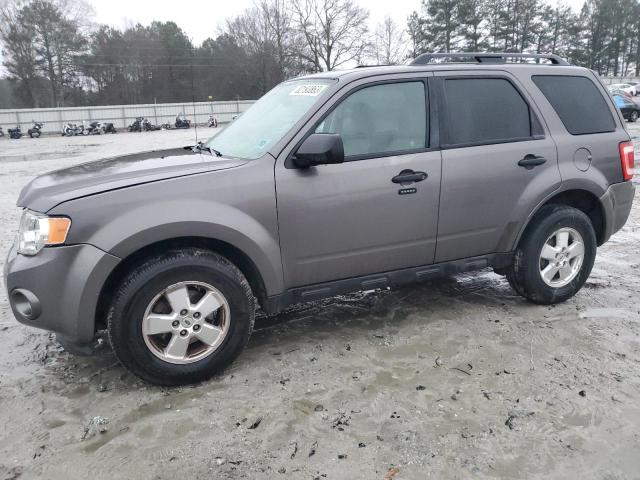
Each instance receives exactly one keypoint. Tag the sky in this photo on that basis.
(201, 19)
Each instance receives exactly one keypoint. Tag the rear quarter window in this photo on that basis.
(578, 102)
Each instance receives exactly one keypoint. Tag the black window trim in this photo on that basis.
(430, 118)
(615, 126)
(537, 131)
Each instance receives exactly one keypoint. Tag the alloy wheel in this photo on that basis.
(561, 257)
(186, 322)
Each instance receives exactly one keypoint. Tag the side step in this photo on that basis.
(393, 278)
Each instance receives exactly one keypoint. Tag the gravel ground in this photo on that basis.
(455, 378)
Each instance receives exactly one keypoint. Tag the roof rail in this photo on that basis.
(426, 58)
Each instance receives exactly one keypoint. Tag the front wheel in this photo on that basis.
(181, 317)
(633, 117)
(555, 256)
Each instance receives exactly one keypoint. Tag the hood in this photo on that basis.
(48, 190)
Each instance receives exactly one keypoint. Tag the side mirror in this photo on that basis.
(319, 149)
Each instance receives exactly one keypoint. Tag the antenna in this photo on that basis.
(193, 97)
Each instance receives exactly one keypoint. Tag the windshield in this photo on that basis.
(252, 134)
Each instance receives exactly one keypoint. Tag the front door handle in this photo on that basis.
(409, 176)
(530, 161)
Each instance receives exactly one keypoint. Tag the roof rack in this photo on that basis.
(426, 58)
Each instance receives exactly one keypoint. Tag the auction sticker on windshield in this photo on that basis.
(308, 90)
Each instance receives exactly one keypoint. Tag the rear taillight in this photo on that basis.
(627, 160)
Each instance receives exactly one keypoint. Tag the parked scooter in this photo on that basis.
(35, 131)
(212, 122)
(182, 122)
(15, 133)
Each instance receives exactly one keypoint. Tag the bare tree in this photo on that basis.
(389, 43)
(267, 34)
(278, 18)
(334, 32)
(253, 34)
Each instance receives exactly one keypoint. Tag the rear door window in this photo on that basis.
(578, 102)
(485, 111)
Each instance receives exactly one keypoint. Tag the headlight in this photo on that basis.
(38, 230)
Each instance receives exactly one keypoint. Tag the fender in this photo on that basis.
(206, 205)
(586, 184)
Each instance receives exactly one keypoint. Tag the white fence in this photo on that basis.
(610, 80)
(122, 115)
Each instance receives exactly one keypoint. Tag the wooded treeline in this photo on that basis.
(604, 35)
(54, 56)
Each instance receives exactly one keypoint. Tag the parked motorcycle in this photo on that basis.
(182, 122)
(36, 130)
(212, 122)
(70, 129)
(94, 128)
(136, 126)
(147, 126)
(108, 127)
(15, 133)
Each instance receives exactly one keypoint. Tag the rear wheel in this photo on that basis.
(181, 317)
(633, 116)
(555, 256)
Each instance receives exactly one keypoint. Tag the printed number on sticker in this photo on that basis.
(308, 90)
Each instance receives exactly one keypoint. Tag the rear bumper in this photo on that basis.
(58, 289)
(616, 203)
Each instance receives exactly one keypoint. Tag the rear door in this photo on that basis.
(498, 162)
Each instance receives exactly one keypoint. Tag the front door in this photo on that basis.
(352, 219)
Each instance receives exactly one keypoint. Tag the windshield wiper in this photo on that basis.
(200, 147)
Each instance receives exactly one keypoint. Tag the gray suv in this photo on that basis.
(330, 183)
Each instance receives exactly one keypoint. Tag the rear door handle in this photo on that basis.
(530, 161)
(409, 176)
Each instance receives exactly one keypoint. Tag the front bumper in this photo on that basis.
(60, 286)
(616, 203)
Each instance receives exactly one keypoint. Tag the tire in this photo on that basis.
(525, 274)
(513, 284)
(633, 117)
(146, 355)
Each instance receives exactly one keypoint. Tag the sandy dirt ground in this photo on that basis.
(457, 378)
